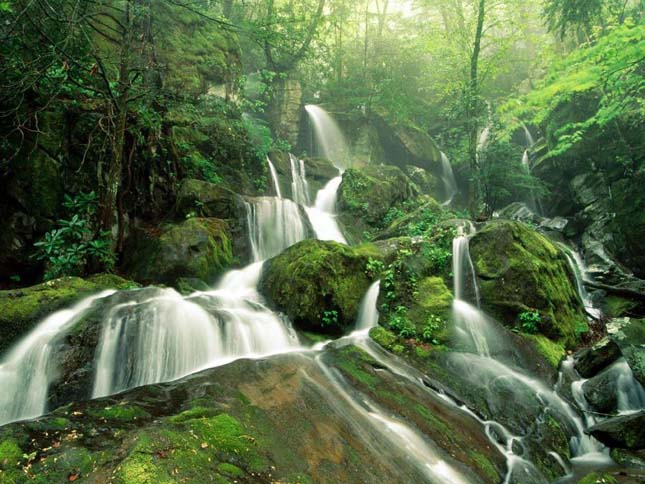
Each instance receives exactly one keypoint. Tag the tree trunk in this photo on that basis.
(112, 182)
(473, 105)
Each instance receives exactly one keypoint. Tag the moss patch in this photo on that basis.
(319, 285)
(552, 352)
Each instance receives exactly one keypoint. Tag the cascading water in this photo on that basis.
(479, 335)
(580, 273)
(273, 224)
(274, 178)
(448, 178)
(322, 214)
(368, 313)
(530, 142)
(330, 141)
(27, 372)
(299, 185)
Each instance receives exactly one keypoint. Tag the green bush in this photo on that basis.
(529, 321)
(67, 249)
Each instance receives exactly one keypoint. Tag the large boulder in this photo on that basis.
(196, 248)
(590, 361)
(197, 197)
(23, 308)
(624, 432)
(405, 144)
(629, 335)
(520, 270)
(368, 197)
(318, 285)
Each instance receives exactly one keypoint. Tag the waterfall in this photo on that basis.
(323, 214)
(530, 142)
(526, 161)
(368, 313)
(482, 141)
(274, 224)
(299, 185)
(331, 143)
(448, 178)
(463, 271)
(27, 371)
(580, 275)
(274, 178)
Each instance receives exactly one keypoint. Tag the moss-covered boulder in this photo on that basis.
(23, 308)
(197, 248)
(318, 285)
(368, 198)
(624, 432)
(204, 199)
(521, 271)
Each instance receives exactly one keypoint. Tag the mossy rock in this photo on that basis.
(366, 195)
(198, 248)
(318, 285)
(520, 270)
(23, 308)
(623, 432)
(207, 200)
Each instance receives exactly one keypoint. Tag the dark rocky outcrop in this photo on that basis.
(318, 285)
(629, 336)
(592, 360)
(23, 308)
(198, 248)
(520, 270)
(624, 432)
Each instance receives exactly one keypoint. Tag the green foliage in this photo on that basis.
(529, 321)
(68, 248)
(374, 268)
(329, 318)
(400, 324)
(433, 325)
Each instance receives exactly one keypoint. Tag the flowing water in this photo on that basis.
(580, 274)
(322, 214)
(299, 185)
(330, 141)
(274, 178)
(28, 370)
(448, 178)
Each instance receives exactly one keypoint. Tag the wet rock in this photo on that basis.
(319, 285)
(404, 145)
(520, 270)
(624, 432)
(601, 391)
(204, 199)
(281, 419)
(590, 361)
(23, 308)
(318, 171)
(521, 212)
(629, 336)
(196, 248)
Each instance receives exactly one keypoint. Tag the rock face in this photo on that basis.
(629, 336)
(518, 271)
(318, 285)
(624, 432)
(592, 360)
(253, 421)
(366, 196)
(285, 109)
(197, 248)
(406, 145)
(23, 308)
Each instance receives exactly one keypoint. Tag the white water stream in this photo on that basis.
(448, 178)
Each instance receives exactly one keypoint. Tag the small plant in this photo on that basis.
(433, 325)
(529, 321)
(400, 324)
(330, 318)
(67, 248)
(374, 267)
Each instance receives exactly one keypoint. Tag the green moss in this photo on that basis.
(196, 412)
(139, 468)
(615, 306)
(597, 478)
(520, 270)
(10, 454)
(230, 470)
(121, 412)
(384, 337)
(553, 352)
(314, 278)
(351, 363)
(435, 423)
(484, 465)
